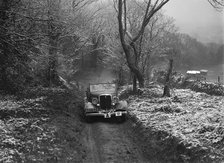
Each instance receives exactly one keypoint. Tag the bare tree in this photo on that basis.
(129, 46)
(4, 47)
(13, 49)
(218, 4)
(53, 35)
(128, 41)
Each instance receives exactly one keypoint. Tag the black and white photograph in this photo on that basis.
(111, 81)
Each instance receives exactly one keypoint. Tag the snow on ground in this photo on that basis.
(195, 120)
(40, 127)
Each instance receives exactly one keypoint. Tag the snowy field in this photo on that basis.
(194, 120)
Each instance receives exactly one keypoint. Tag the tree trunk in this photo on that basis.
(4, 54)
(133, 67)
(166, 91)
(134, 84)
(53, 76)
(53, 35)
(127, 48)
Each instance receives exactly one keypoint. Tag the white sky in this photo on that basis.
(197, 18)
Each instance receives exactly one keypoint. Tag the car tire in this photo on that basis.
(88, 119)
(121, 119)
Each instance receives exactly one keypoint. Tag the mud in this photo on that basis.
(107, 141)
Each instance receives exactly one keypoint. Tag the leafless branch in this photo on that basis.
(217, 4)
(148, 15)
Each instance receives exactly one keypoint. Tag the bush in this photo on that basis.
(177, 79)
(15, 78)
(209, 88)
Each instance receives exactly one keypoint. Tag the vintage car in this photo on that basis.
(101, 100)
(197, 75)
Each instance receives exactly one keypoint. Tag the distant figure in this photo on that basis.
(218, 79)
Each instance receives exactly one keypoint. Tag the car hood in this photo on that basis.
(97, 93)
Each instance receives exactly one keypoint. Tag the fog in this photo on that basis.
(95, 75)
(198, 19)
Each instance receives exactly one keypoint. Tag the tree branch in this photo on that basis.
(148, 17)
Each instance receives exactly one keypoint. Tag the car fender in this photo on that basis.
(88, 105)
(122, 105)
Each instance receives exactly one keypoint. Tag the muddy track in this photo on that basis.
(109, 142)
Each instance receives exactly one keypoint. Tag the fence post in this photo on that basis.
(218, 79)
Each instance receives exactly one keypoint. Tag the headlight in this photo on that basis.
(115, 99)
(94, 101)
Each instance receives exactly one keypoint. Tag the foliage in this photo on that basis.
(177, 79)
(41, 40)
(209, 88)
(32, 37)
(14, 67)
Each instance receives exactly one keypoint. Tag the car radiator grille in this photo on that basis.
(105, 102)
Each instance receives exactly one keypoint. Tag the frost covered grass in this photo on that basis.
(187, 127)
(39, 126)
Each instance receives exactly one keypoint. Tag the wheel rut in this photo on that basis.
(109, 142)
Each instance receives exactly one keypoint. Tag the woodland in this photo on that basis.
(43, 41)
(49, 48)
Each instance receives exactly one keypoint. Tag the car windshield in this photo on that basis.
(103, 88)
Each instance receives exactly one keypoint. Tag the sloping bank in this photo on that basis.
(189, 127)
(41, 125)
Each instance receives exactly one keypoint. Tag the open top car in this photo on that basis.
(101, 100)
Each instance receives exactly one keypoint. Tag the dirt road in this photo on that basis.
(110, 142)
(107, 141)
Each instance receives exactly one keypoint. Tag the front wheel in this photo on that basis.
(121, 119)
(88, 119)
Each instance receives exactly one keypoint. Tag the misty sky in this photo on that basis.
(197, 18)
